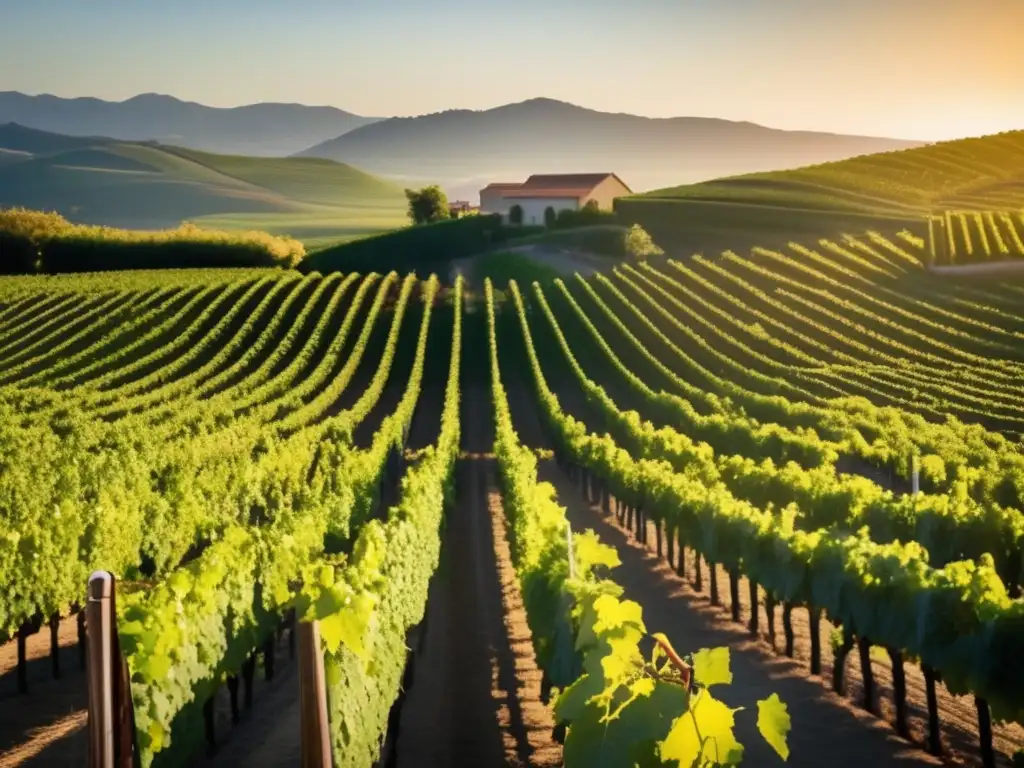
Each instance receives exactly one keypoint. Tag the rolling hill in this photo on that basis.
(889, 190)
(463, 150)
(149, 186)
(255, 129)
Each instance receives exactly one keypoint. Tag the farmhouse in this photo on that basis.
(557, 191)
(459, 208)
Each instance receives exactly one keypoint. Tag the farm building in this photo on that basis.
(558, 191)
(458, 208)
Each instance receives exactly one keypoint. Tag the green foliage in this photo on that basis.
(515, 215)
(774, 724)
(627, 710)
(394, 561)
(318, 491)
(59, 246)
(588, 216)
(428, 205)
(638, 244)
(952, 236)
(550, 217)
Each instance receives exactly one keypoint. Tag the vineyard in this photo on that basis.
(887, 191)
(959, 237)
(765, 506)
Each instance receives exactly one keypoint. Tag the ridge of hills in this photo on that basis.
(99, 180)
(886, 191)
(266, 129)
(463, 150)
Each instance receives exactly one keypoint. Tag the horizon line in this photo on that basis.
(471, 110)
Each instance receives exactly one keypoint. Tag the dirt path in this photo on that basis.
(268, 735)
(46, 726)
(475, 697)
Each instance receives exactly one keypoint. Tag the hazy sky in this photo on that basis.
(926, 69)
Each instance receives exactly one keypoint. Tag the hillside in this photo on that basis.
(255, 129)
(886, 191)
(465, 149)
(21, 139)
(147, 186)
(975, 173)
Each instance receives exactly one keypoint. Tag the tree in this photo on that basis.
(639, 244)
(515, 214)
(550, 217)
(427, 205)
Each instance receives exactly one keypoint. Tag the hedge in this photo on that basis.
(34, 241)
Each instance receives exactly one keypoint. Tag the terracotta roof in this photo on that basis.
(566, 180)
(570, 180)
(502, 185)
(565, 185)
(526, 192)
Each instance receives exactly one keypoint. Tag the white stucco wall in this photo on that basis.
(534, 207)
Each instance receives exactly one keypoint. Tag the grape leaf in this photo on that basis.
(348, 626)
(774, 724)
(711, 667)
(705, 732)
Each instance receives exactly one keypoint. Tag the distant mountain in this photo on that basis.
(465, 149)
(144, 185)
(23, 140)
(257, 129)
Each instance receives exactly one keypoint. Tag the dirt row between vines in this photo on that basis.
(827, 728)
(476, 692)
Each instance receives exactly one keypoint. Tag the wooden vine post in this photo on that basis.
(316, 738)
(111, 717)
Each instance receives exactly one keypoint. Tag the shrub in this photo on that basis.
(32, 241)
(550, 217)
(587, 216)
(515, 215)
(638, 243)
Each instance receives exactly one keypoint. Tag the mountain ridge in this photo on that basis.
(262, 129)
(464, 149)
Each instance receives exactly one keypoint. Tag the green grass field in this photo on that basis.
(145, 186)
(888, 191)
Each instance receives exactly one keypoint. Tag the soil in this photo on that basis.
(476, 698)
(46, 726)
